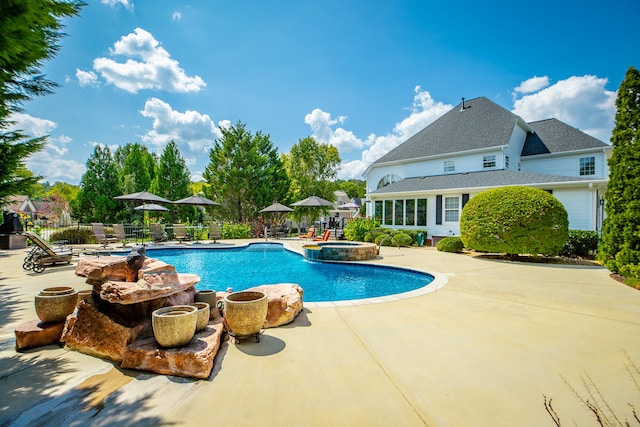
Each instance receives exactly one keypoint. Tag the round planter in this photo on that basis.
(84, 294)
(57, 290)
(174, 326)
(203, 315)
(55, 308)
(210, 297)
(245, 312)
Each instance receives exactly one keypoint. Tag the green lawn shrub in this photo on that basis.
(236, 231)
(74, 235)
(383, 239)
(402, 239)
(581, 244)
(514, 220)
(450, 244)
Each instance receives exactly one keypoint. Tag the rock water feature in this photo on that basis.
(115, 322)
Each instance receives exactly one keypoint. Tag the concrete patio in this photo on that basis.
(481, 351)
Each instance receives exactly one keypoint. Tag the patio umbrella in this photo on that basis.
(142, 196)
(313, 202)
(196, 201)
(150, 207)
(349, 205)
(277, 207)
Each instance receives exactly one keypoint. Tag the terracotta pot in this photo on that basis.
(57, 290)
(203, 315)
(55, 308)
(210, 297)
(245, 312)
(174, 326)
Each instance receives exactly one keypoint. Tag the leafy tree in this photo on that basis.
(172, 179)
(514, 220)
(312, 167)
(244, 173)
(98, 187)
(66, 192)
(15, 178)
(355, 188)
(138, 168)
(29, 35)
(620, 245)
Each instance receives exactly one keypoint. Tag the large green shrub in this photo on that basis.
(73, 235)
(581, 243)
(514, 220)
(402, 239)
(450, 244)
(356, 228)
(236, 231)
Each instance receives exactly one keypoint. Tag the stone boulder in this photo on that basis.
(154, 285)
(194, 360)
(91, 332)
(285, 303)
(37, 334)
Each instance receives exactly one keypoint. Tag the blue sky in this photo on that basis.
(361, 75)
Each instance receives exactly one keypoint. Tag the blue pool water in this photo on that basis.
(267, 263)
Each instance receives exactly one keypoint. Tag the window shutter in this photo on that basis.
(465, 199)
(439, 209)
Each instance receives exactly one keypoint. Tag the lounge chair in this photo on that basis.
(215, 232)
(100, 235)
(157, 233)
(118, 231)
(310, 233)
(45, 254)
(180, 233)
(324, 238)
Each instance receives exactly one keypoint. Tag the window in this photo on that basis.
(410, 212)
(587, 166)
(506, 162)
(451, 209)
(489, 162)
(388, 179)
(388, 212)
(398, 216)
(377, 211)
(449, 166)
(422, 213)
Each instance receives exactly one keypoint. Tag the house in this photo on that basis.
(20, 205)
(478, 145)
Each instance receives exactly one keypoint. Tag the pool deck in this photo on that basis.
(482, 350)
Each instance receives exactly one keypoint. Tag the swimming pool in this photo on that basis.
(269, 263)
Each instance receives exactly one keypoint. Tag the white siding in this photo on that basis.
(566, 165)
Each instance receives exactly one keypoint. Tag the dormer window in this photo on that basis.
(489, 162)
(449, 166)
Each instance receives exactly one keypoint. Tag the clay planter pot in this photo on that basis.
(209, 296)
(174, 326)
(245, 312)
(57, 290)
(55, 308)
(203, 315)
(84, 294)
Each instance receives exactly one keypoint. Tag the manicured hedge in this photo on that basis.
(450, 244)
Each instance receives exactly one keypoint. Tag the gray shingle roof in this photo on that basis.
(496, 178)
(481, 124)
(554, 136)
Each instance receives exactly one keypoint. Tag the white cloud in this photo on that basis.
(423, 112)
(112, 3)
(176, 16)
(533, 84)
(156, 70)
(580, 101)
(51, 161)
(195, 130)
(86, 78)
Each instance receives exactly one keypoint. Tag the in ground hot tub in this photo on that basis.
(340, 251)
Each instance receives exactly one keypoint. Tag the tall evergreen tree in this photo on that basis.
(172, 179)
(244, 173)
(98, 187)
(138, 169)
(620, 245)
(29, 35)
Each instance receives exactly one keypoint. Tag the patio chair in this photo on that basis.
(45, 254)
(180, 233)
(324, 238)
(311, 232)
(156, 233)
(118, 231)
(215, 232)
(100, 235)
